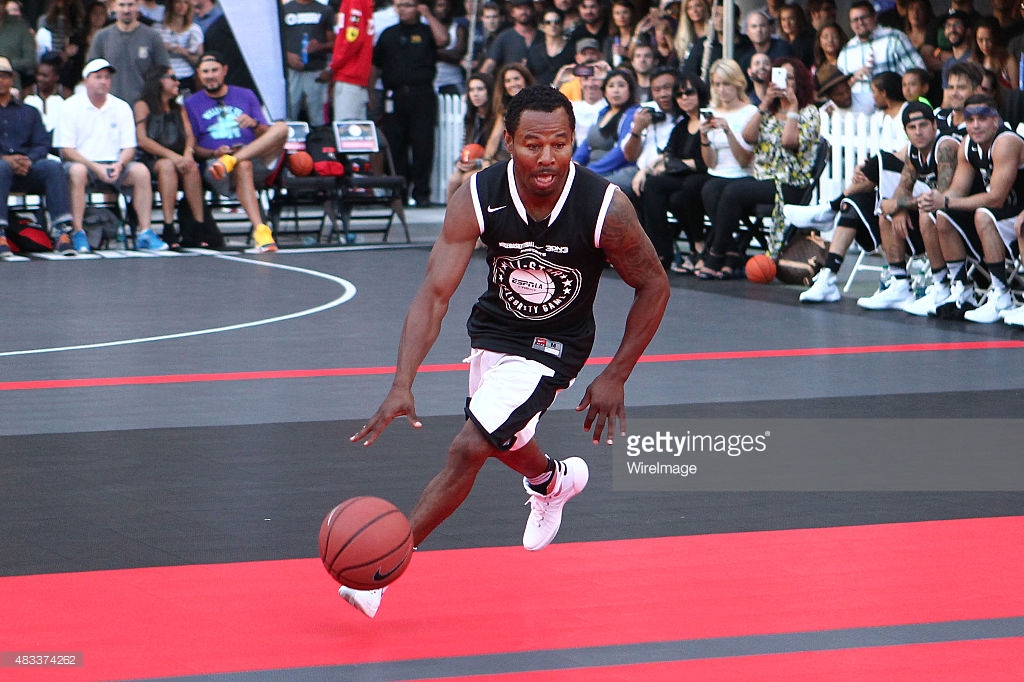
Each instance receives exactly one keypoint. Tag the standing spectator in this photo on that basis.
(307, 35)
(822, 13)
(794, 29)
(131, 48)
(694, 25)
(450, 78)
(833, 90)
(569, 78)
(183, 40)
(828, 45)
(512, 46)
(955, 29)
(490, 23)
(871, 51)
(96, 138)
(642, 62)
(1007, 14)
(152, 12)
(62, 19)
(18, 45)
(592, 22)
(168, 147)
(96, 18)
(207, 12)
(405, 58)
(991, 53)
(547, 57)
(23, 163)
(240, 147)
(352, 59)
(918, 27)
(759, 30)
(619, 43)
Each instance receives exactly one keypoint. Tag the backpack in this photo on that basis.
(25, 234)
(100, 225)
(195, 233)
(321, 145)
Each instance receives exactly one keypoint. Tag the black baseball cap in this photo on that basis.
(916, 111)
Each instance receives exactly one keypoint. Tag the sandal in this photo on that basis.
(685, 267)
(707, 273)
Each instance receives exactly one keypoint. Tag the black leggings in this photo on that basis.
(727, 201)
(680, 194)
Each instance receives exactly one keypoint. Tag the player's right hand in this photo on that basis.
(399, 402)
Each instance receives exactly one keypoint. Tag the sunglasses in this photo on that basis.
(686, 93)
(170, 76)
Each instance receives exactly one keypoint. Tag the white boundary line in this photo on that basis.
(349, 290)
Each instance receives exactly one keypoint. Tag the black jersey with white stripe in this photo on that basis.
(981, 160)
(926, 165)
(543, 275)
(946, 126)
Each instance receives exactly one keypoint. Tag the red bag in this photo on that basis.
(24, 234)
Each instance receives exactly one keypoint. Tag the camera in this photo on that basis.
(583, 71)
(657, 115)
(707, 114)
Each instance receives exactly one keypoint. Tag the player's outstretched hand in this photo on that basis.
(605, 402)
(398, 403)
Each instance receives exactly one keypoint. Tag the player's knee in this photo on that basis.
(469, 450)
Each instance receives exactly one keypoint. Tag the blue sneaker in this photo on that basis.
(80, 240)
(150, 242)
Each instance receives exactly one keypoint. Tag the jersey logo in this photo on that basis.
(532, 287)
(495, 209)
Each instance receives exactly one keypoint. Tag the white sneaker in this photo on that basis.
(367, 601)
(962, 298)
(934, 295)
(996, 301)
(892, 294)
(546, 510)
(1014, 317)
(824, 289)
(815, 215)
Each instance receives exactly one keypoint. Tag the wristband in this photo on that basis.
(946, 202)
(633, 133)
(792, 114)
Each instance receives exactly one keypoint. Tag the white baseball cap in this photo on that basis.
(97, 65)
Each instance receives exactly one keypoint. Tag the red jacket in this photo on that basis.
(353, 46)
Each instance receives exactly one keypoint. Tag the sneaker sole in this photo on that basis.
(827, 299)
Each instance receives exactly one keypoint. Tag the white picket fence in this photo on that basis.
(853, 137)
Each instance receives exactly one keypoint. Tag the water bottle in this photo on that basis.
(922, 278)
(305, 48)
(120, 237)
(616, 53)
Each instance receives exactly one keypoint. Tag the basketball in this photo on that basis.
(760, 269)
(471, 152)
(365, 543)
(300, 163)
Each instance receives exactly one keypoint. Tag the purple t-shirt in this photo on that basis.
(214, 120)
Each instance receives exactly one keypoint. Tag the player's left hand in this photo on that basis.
(606, 400)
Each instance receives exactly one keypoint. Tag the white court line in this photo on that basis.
(349, 290)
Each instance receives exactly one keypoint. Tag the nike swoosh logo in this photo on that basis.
(493, 209)
(378, 576)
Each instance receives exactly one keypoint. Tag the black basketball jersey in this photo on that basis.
(926, 165)
(981, 160)
(543, 276)
(944, 121)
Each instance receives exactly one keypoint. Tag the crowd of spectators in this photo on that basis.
(695, 140)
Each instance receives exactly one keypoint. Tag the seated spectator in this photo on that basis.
(18, 45)
(96, 138)
(834, 92)
(587, 110)
(709, 50)
(887, 90)
(784, 135)
(694, 24)
(183, 39)
(601, 150)
(240, 147)
(674, 179)
(642, 64)
(653, 124)
(23, 163)
(478, 125)
(990, 52)
(759, 30)
(725, 152)
(168, 147)
(47, 94)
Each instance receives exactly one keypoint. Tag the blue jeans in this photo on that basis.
(45, 177)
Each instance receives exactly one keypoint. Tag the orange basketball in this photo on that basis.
(760, 269)
(300, 163)
(471, 152)
(365, 543)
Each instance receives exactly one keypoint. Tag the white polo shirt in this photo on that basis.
(99, 134)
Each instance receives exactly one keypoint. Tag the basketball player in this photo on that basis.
(989, 162)
(549, 226)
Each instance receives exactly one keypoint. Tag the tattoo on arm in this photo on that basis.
(905, 190)
(945, 160)
(626, 244)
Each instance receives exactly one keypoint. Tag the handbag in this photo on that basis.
(802, 258)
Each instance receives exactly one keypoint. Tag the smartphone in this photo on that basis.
(583, 71)
(779, 77)
(707, 114)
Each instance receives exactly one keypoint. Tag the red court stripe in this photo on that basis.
(953, 661)
(96, 382)
(186, 620)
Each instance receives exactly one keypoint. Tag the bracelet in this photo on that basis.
(792, 114)
(633, 133)
(705, 144)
